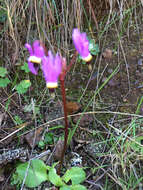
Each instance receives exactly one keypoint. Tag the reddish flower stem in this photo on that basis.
(72, 61)
(62, 80)
(66, 126)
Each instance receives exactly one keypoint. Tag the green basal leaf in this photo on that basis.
(78, 187)
(23, 86)
(54, 178)
(25, 67)
(75, 174)
(66, 188)
(36, 173)
(4, 82)
(73, 187)
(3, 71)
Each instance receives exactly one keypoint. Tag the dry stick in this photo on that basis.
(93, 15)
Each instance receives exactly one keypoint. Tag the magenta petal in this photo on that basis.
(81, 43)
(33, 68)
(50, 58)
(28, 46)
(38, 49)
(58, 64)
(36, 52)
(51, 67)
(45, 67)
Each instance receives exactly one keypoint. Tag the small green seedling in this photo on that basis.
(4, 81)
(39, 172)
(23, 86)
(18, 120)
(25, 68)
(48, 139)
(93, 47)
(41, 144)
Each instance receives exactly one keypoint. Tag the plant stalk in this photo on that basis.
(66, 125)
(63, 92)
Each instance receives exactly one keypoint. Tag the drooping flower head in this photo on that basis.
(51, 67)
(36, 52)
(81, 44)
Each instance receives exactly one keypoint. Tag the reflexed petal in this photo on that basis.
(58, 64)
(45, 67)
(38, 49)
(28, 46)
(51, 68)
(36, 52)
(81, 44)
(33, 68)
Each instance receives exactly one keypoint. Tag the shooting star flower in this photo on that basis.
(81, 44)
(52, 68)
(36, 52)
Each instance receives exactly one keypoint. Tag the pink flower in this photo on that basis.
(36, 52)
(52, 68)
(81, 44)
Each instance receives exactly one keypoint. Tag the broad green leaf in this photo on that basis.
(36, 173)
(23, 86)
(75, 174)
(25, 67)
(3, 71)
(66, 188)
(4, 82)
(78, 187)
(73, 187)
(54, 178)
